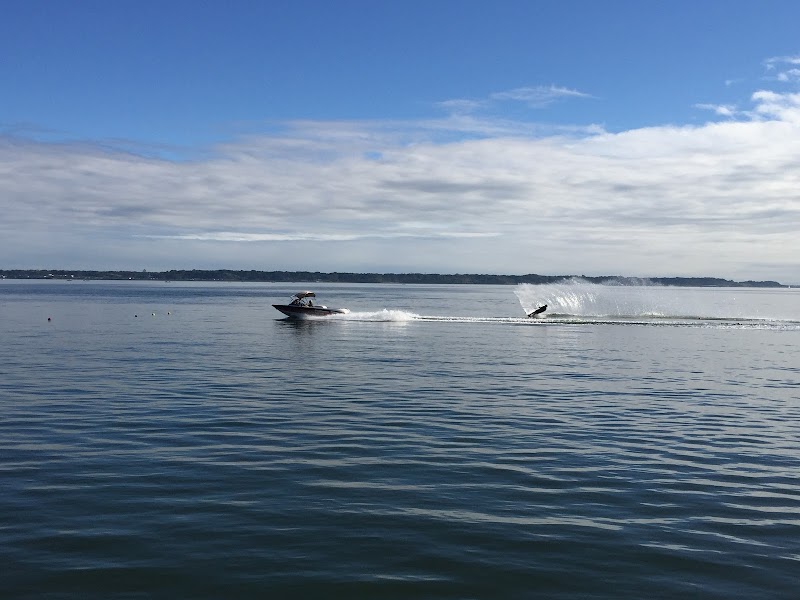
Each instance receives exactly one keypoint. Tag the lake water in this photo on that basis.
(184, 440)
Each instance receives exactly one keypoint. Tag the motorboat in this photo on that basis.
(302, 306)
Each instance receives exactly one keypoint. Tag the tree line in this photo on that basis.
(336, 277)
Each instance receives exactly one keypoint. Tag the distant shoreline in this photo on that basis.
(335, 277)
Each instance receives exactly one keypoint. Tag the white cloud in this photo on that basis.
(461, 106)
(775, 61)
(299, 236)
(539, 96)
(466, 195)
(786, 68)
(781, 107)
(789, 75)
(721, 110)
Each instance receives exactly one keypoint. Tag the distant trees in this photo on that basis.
(410, 278)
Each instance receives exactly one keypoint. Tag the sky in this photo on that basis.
(435, 136)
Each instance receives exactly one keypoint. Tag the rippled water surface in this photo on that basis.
(166, 440)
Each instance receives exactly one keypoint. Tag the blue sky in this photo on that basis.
(634, 138)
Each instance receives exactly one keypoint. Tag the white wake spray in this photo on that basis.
(385, 315)
(577, 297)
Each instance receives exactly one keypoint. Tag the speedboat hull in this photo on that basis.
(309, 312)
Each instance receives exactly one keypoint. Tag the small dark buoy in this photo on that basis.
(135, 315)
(48, 318)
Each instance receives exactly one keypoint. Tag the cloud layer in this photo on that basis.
(459, 194)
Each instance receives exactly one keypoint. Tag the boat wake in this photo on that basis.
(576, 301)
(403, 317)
(380, 316)
(564, 319)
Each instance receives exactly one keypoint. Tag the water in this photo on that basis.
(166, 440)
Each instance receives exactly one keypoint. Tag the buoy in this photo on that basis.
(135, 315)
(48, 318)
(154, 314)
